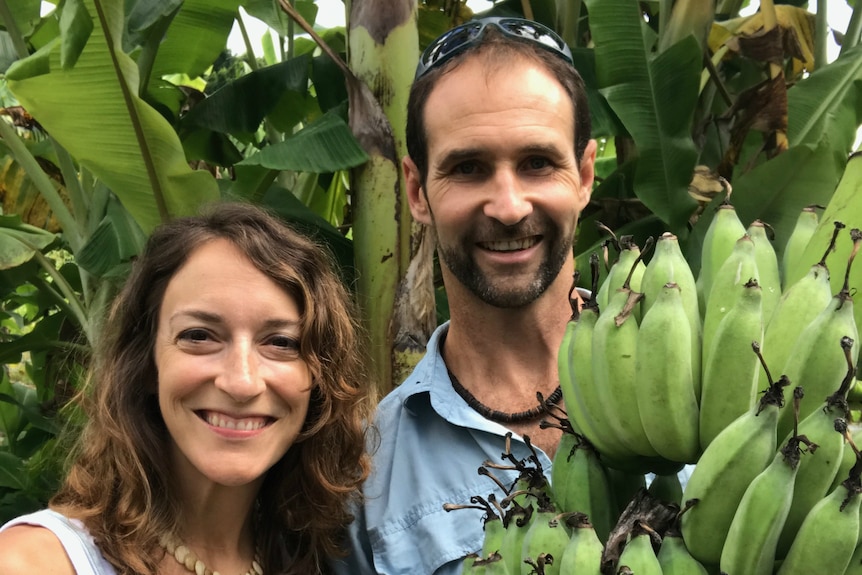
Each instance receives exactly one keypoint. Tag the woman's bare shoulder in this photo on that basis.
(28, 549)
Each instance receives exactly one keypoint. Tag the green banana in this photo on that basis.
(674, 558)
(827, 538)
(629, 263)
(855, 565)
(668, 265)
(724, 471)
(673, 555)
(816, 361)
(666, 488)
(638, 554)
(794, 248)
(547, 536)
(584, 408)
(580, 483)
(730, 372)
(518, 520)
(492, 523)
(798, 306)
(578, 333)
(625, 486)
(613, 356)
(721, 236)
(665, 391)
(727, 286)
(819, 468)
(752, 538)
(583, 552)
(768, 274)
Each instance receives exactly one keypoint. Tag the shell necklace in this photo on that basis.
(186, 557)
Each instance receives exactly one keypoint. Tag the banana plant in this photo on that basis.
(704, 102)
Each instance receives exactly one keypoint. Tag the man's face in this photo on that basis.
(504, 188)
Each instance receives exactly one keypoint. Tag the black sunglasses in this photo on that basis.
(462, 37)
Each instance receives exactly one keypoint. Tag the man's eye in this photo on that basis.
(194, 335)
(538, 163)
(466, 169)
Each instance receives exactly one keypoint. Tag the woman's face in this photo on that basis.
(233, 389)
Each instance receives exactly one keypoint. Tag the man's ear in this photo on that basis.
(587, 170)
(416, 196)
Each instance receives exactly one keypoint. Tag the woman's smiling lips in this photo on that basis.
(226, 423)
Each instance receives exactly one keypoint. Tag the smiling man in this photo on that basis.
(500, 165)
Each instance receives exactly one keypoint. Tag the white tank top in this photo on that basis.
(76, 540)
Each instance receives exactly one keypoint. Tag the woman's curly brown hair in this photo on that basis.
(119, 484)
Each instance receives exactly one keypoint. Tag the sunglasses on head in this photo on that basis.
(462, 37)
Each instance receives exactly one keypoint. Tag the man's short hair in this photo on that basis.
(500, 47)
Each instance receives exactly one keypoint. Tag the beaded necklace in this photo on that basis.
(502, 416)
(187, 558)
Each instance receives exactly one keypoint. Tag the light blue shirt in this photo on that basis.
(431, 446)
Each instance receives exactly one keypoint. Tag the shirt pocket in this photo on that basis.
(427, 540)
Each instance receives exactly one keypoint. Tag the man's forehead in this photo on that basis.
(471, 104)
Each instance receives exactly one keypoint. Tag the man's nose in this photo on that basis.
(240, 377)
(508, 202)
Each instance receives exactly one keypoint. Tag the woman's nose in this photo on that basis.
(240, 377)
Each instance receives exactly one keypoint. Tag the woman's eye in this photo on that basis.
(194, 335)
(284, 342)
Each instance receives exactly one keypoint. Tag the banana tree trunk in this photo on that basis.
(397, 306)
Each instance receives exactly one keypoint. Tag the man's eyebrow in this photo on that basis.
(541, 149)
(456, 155)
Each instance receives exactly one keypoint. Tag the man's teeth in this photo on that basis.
(251, 424)
(510, 245)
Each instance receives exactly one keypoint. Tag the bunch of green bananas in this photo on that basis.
(665, 368)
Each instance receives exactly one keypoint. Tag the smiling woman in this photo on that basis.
(227, 412)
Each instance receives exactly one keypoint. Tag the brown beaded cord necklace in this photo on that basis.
(502, 416)
(186, 557)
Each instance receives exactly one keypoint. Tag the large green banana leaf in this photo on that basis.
(654, 98)
(241, 105)
(827, 105)
(324, 146)
(776, 190)
(18, 241)
(196, 36)
(25, 13)
(94, 112)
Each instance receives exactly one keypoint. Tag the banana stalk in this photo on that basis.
(394, 284)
